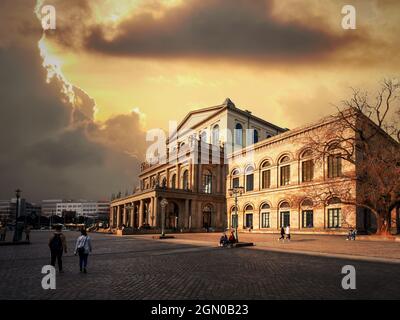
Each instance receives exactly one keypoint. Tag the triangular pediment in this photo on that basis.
(195, 118)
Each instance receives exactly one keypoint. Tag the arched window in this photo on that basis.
(185, 180)
(284, 211)
(307, 166)
(265, 216)
(164, 182)
(249, 216)
(207, 181)
(239, 134)
(173, 181)
(249, 178)
(284, 170)
(268, 135)
(255, 136)
(215, 135)
(284, 159)
(235, 178)
(334, 213)
(265, 175)
(307, 213)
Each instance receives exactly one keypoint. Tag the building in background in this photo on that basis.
(90, 209)
(25, 208)
(49, 207)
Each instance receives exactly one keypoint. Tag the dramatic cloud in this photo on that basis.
(50, 146)
(227, 29)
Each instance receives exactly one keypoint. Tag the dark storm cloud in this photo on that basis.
(49, 147)
(216, 28)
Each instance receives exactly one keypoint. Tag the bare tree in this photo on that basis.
(365, 135)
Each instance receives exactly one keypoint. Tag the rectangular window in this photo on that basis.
(285, 218)
(234, 220)
(285, 175)
(265, 220)
(207, 183)
(266, 179)
(250, 182)
(334, 218)
(308, 219)
(307, 170)
(334, 166)
(235, 183)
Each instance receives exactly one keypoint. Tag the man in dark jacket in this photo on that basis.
(57, 245)
(282, 234)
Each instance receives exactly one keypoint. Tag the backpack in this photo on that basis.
(81, 250)
(56, 243)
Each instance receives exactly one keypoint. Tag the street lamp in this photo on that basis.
(235, 191)
(17, 194)
(164, 204)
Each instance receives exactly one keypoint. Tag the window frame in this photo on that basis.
(265, 216)
(284, 171)
(305, 214)
(337, 215)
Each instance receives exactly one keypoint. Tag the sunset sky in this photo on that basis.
(122, 67)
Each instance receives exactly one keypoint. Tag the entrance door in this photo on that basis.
(249, 220)
(207, 216)
(285, 218)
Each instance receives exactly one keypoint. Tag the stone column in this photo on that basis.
(131, 214)
(151, 212)
(141, 208)
(187, 214)
(178, 177)
(156, 212)
(124, 214)
(111, 216)
(118, 216)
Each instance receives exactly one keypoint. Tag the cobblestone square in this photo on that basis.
(192, 266)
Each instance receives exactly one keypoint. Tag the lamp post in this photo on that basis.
(235, 191)
(164, 204)
(17, 194)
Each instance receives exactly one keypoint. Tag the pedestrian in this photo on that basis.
(3, 232)
(354, 234)
(282, 234)
(57, 245)
(232, 239)
(350, 234)
(287, 232)
(83, 247)
(27, 233)
(223, 241)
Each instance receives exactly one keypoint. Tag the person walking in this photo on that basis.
(287, 232)
(282, 234)
(83, 247)
(3, 232)
(27, 233)
(57, 245)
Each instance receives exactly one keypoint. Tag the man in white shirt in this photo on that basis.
(287, 232)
